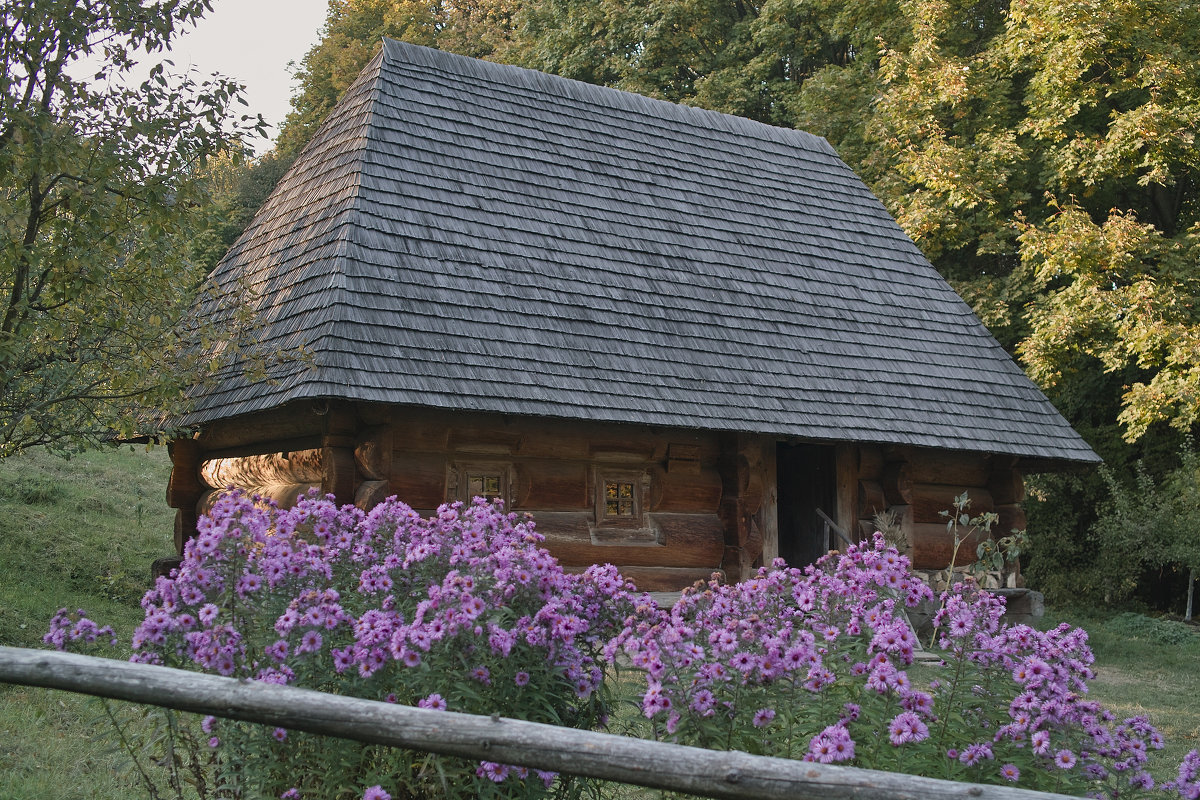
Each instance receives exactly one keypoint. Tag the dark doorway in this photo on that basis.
(807, 481)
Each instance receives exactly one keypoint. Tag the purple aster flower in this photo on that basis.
(763, 717)
(1010, 773)
(492, 771)
(907, 727)
(434, 701)
(1064, 759)
(310, 642)
(376, 792)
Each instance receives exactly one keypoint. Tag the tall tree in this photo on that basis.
(1047, 161)
(97, 194)
(353, 33)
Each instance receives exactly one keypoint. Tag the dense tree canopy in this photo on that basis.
(97, 191)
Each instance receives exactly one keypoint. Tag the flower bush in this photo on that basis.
(814, 663)
(463, 611)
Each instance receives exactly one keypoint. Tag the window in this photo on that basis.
(485, 485)
(619, 498)
(468, 481)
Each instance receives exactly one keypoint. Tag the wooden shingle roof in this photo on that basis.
(468, 235)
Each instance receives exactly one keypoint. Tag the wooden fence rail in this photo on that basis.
(657, 765)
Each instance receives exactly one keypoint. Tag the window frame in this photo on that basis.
(639, 482)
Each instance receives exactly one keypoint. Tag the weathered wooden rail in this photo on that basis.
(658, 765)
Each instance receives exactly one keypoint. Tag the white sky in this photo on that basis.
(252, 41)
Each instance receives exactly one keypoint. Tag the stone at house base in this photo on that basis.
(1023, 606)
(161, 567)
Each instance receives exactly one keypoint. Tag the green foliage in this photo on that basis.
(97, 197)
(72, 534)
(1158, 631)
(78, 532)
(1048, 165)
(1147, 523)
(236, 186)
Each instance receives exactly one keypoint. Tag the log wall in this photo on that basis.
(918, 485)
(699, 508)
(705, 502)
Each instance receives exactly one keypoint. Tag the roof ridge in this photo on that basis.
(428, 57)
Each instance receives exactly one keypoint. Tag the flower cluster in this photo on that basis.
(462, 611)
(765, 665)
(814, 664)
(76, 630)
(1017, 696)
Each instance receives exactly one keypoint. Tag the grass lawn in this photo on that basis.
(83, 533)
(78, 533)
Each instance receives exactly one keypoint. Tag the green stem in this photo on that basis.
(151, 789)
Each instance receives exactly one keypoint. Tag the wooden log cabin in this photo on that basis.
(669, 334)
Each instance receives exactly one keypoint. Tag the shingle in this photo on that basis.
(469, 235)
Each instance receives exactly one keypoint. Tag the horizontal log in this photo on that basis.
(685, 540)
(696, 491)
(257, 431)
(297, 466)
(418, 479)
(945, 466)
(371, 494)
(661, 579)
(870, 463)
(931, 545)
(373, 454)
(928, 500)
(552, 486)
(899, 480)
(285, 495)
(1007, 486)
(1012, 518)
(871, 500)
(659, 765)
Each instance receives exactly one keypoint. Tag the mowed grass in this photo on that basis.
(75, 534)
(1147, 666)
(83, 533)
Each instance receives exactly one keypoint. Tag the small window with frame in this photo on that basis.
(489, 481)
(619, 498)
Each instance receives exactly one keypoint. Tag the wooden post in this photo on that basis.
(184, 488)
(846, 472)
(743, 486)
(768, 515)
(340, 466)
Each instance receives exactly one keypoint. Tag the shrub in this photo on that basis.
(462, 611)
(811, 663)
